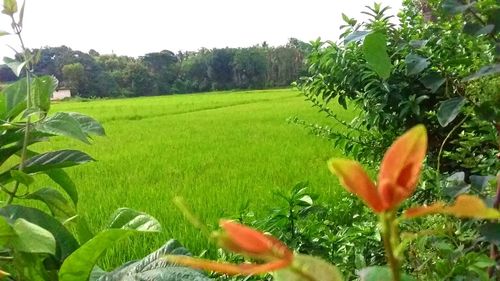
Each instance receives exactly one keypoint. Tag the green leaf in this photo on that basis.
(356, 36)
(16, 66)
(453, 7)
(62, 124)
(491, 231)
(31, 238)
(88, 124)
(449, 110)
(22, 177)
(60, 177)
(130, 219)
(433, 81)
(312, 267)
(484, 71)
(418, 44)
(65, 242)
(42, 90)
(380, 273)
(415, 64)
(3, 33)
(13, 100)
(6, 232)
(375, 52)
(79, 265)
(58, 205)
(9, 7)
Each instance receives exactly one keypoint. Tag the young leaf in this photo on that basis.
(9, 7)
(31, 238)
(13, 100)
(42, 90)
(375, 52)
(449, 110)
(6, 232)
(312, 267)
(21, 177)
(415, 64)
(58, 205)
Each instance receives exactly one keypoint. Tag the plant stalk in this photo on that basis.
(389, 235)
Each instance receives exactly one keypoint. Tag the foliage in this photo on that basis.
(430, 69)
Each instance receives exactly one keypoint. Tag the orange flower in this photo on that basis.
(247, 241)
(398, 174)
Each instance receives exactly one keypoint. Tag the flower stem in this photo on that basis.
(391, 241)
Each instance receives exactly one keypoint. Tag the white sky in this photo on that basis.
(136, 27)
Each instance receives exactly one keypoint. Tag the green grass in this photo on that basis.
(215, 150)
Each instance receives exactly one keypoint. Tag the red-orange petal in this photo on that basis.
(228, 268)
(245, 240)
(403, 160)
(354, 178)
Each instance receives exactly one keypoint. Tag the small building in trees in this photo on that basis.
(61, 94)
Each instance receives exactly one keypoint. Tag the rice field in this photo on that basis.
(216, 150)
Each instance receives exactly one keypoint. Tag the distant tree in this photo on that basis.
(220, 68)
(250, 67)
(141, 82)
(163, 67)
(74, 76)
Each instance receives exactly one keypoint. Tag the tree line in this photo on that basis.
(94, 75)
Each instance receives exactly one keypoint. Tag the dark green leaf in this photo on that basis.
(65, 242)
(62, 124)
(415, 64)
(58, 205)
(491, 231)
(22, 177)
(6, 153)
(449, 110)
(453, 7)
(60, 177)
(488, 111)
(356, 36)
(380, 273)
(484, 71)
(56, 159)
(480, 182)
(130, 219)
(31, 238)
(88, 124)
(375, 52)
(42, 90)
(432, 81)
(315, 268)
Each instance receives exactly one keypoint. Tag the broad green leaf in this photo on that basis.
(22, 177)
(380, 273)
(454, 7)
(83, 231)
(415, 64)
(6, 232)
(6, 153)
(356, 36)
(314, 268)
(433, 81)
(62, 124)
(131, 219)
(88, 124)
(60, 177)
(65, 242)
(449, 110)
(375, 52)
(31, 267)
(56, 159)
(16, 66)
(31, 238)
(491, 69)
(491, 231)
(9, 7)
(13, 100)
(58, 205)
(42, 90)
(79, 265)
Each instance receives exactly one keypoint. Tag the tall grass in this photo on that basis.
(215, 150)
